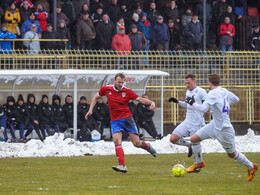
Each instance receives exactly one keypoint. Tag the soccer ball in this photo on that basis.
(178, 170)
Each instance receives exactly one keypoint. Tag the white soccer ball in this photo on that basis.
(178, 170)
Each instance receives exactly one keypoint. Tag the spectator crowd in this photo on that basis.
(124, 25)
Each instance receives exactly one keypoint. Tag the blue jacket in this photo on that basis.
(160, 33)
(27, 27)
(6, 45)
(147, 31)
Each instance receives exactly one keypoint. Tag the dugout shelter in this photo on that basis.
(75, 83)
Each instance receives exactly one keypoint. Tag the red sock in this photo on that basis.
(120, 154)
(144, 145)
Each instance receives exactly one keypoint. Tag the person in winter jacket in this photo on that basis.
(64, 33)
(174, 42)
(135, 20)
(27, 25)
(20, 3)
(199, 11)
(97, 16)
(50, 34)
(105, 33)
(78, 5)
(145, 119)
(12, 18)
(193, 32)
(68, 9)
(68, 110)
(186, 17)
(153, 13)
(60, 16)
(33, 117)
(33, 46)
(146, 28)
(125, 12)
(59, 119)
(11, 120)
(161, 35)
(41, 16)
(137, 38)
(5, 46)
(121, 42)
(172, 13)
(120, 22)
(45, 114)
(25, 11)
(2, 119)
(226, 32)
(254, 39)
(22, 117)
(113, 10)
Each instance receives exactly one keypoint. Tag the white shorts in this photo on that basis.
(186, 129)
(226, 136)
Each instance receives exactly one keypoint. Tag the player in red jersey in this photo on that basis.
(118, 97)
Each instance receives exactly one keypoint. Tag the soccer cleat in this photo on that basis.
(190, 151)
(152, 151)
(120, 168)
(195, 168)
(251, 173)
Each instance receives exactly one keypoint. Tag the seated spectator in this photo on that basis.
(45, 5)
(5, 46)
(193, 32)
(25, 11)
(97, 16)
(172, 13)
(59, 119)
(20, 3)
(60, 16)
(64, 33)
(146, 28)
(145, 119)
(105, 33)
(153, 13)
(50, 34)
(12, 18)
(186, 17)
(32, 46)
(135, 20)
(33, 117)
(137, 38)
(161, 35)
(85, 32)
(22, 117)
(175, 42)
(68, 9)
(254, 39)
(11, 120)
(68, 110)
(113, 9)
(27, 26)
(226, 33)
(41, 16)
(120, 22)
(101, 114)
(45, 115)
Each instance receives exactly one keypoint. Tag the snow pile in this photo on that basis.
(56, 146)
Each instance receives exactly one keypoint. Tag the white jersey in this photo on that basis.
(193, 116)
(219, 101)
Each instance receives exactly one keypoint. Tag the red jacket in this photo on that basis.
(122, 42)
(41, 16)
(224, 28)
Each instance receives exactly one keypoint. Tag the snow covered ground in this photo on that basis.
(56, 146)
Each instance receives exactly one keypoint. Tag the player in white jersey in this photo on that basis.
(218, 101)
(193, 122)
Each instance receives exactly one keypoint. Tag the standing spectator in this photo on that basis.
(226, 33)
(113, 10)
(101, 114)
(20, 3)
(68, 9)
(199, 11)
(11, 120)
(254, 39)
(2, 13)
(138, 11)
(194, 32)
(161, 35)
(33, 116)
(5, 46)
(60, 16)
(172, 13)
(12, 17)
(97, 16)
(84, 8)
(135, 20)
(229, 13)
(174, 43)
(219, 8)
(41, 16)
(45, 115)
(105, 33)
(63, 33)
(59, 119)
(50, 34)
(32, 46)
(78, 5)
(68, 110)
(27, 26)
(146, 28)
(153, 13)
(186, 17)
(85, 32)
(95, 4)
(137, 38)
(25, 11)
(125, 13)
(120, 22)
(45, 5)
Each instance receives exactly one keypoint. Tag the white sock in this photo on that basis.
(242, 159)
(183, 142)
(197, 155)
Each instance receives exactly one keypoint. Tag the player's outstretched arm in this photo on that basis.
(92, 104)
(147, 102)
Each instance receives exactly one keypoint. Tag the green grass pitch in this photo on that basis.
(146, 175)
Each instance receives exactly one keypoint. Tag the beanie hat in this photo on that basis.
(83, 98)
(135, 15)
(20, 97)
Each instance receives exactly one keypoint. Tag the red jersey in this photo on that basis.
(118, 100)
